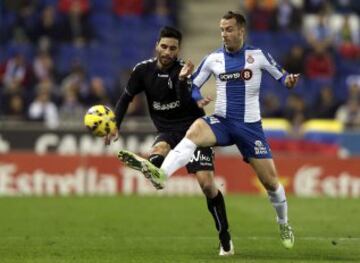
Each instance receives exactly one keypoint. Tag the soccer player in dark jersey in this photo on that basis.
(165, 81)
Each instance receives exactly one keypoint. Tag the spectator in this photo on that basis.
(261, 17)
(271, 107)
(71, 109)
(326, 105)
(347, 39)
(43, 66)
(50, 87)
(25, 19)
(321, 33)
(288, 16)
(296, 113)
(349, 114)
(42, 109)
(15, 107)
(46, 32)
(97, 93)
(66, 6)
(76, 82)
(315, 6)
(128, 7)
(319, 65)
(75, 27)
(294, 61)
(162, 10)
(343, 6)
(16, 73)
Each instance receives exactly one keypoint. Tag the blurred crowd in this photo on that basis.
(325, 51)
(323, 44)
(36, 36)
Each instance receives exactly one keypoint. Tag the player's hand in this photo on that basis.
(111, 137)
(291, 80)
(203, 102)
(186, 70)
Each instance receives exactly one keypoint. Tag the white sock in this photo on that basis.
(179, 156)
(278, 200)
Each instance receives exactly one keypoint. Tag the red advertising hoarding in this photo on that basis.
(24, 174)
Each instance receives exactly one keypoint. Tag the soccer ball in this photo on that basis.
(100, 120)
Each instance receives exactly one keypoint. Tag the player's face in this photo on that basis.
(167, 50)
(232, 34)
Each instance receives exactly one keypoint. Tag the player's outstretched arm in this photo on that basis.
(291, 80)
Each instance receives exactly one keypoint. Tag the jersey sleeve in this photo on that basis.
(135, 83)
(201, 75)
(269, 64)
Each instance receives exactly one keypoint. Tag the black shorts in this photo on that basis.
(203, 158)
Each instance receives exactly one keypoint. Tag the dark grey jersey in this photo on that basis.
(170, 104)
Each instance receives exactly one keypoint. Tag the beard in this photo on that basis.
(166, 61)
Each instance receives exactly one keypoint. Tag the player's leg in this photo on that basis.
(252, 143)
(202, 165)
(160, 148)
(158, 152)
(267, 174)
(199, 133)
(216, 206)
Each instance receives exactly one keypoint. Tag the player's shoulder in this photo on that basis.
(142, 65)
(253, 49)
(213, 55)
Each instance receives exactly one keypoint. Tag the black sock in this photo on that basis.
(156, 159)
(217, 209)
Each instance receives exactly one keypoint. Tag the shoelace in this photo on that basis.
(285, 232)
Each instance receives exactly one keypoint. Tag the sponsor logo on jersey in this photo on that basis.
(158, 106)
(163, 75)
(244, 74)
(260, 148)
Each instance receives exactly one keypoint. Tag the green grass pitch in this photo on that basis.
(173, 229)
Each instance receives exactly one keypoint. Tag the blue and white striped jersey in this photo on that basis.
(238, 80)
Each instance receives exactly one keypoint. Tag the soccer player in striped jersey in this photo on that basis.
(237, 68)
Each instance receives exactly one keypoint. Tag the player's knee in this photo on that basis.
(208, 187)
(156, 159)
(194, 132)
(271, 185)
(161, 148)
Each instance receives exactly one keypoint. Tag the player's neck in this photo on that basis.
(236, 49)
(163, 67)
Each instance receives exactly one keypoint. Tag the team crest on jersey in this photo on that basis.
(250, 59)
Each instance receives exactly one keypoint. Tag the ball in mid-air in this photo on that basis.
(100, 120)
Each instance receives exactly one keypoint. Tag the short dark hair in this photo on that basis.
(240, 19)
(168, 31)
